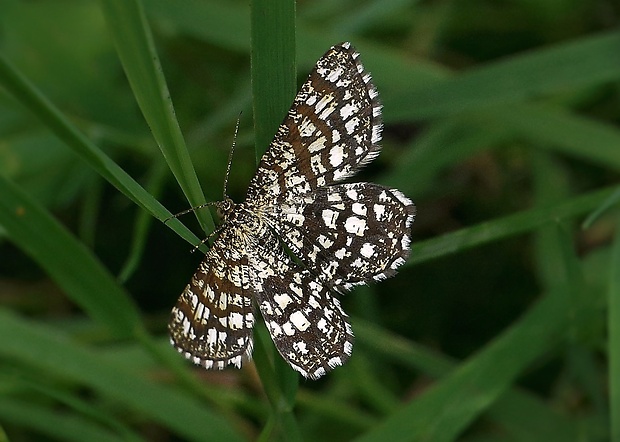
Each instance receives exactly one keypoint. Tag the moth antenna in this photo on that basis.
(193, 209)
(213, 203)
(230, 156)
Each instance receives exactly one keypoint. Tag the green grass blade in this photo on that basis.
(22, 383)
(48, 350)
(605, 206)
(208, 20)
(561, 131)
(550, 186)
(525, 415)
(335, 410)
(367, 14)
(274, 85)
(415, 172)
(446, 409)
(374, 393)
(67, 261)
(548, 128)
(504, 227)
(27, 95)
(55, 424)
(136, 49)
(580, 63)
(281, 423)
(402, 350)
(155, 182)
(211, 21)
(613, 325)
(274, 81)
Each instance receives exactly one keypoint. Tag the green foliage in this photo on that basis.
(501, 123)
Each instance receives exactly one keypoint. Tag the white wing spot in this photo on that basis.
(329, 218)
(336, 155)
(379, 210)
(367, 250)
(355, 225)
(282, 300)
(348, 110)
(300, 322)
(359, 209)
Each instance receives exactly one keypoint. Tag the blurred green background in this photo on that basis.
(501, 123)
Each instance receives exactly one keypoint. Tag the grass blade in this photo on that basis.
(274, 81)
(25, 93)
(522, 413)
(274, 85)
(613, 324)
(49, 351)
(60, 426)
(445, 410)
(136, 49)
(580, 63)
(67, 261)
(561, 131)
(504, 227)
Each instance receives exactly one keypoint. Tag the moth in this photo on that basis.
(341, 234)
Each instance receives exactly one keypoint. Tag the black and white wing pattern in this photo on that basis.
(342, 235)
(348, 234)
(212, 322)
(304, 319)
(330, 132)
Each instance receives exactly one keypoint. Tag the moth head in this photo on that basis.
(225, 207)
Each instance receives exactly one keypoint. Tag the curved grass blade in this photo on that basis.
(504, 227)
(583, 62)
(442, 412)
(53, 353)
(136, 49)
(613, 324)
(30, 97)
(67, 261)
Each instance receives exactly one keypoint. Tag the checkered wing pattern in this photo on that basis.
(213, 319)
(341, 234)
(305, 320)
(330, 132)
(348, 234)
